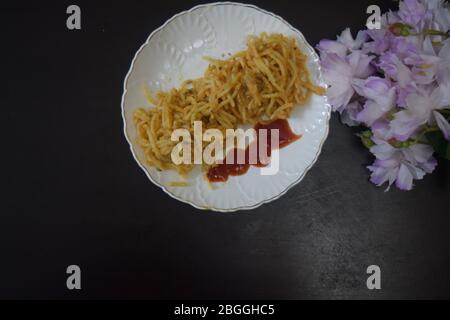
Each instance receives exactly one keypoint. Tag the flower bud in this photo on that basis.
(400, 29)
(366, 138)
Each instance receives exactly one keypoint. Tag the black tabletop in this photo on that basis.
(71, 193)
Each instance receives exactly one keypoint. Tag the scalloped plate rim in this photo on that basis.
(164, 188)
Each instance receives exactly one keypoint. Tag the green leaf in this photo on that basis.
(438, 142)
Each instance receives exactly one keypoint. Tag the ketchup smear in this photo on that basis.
(221, 172)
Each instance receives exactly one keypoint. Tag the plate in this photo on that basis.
(174, 52)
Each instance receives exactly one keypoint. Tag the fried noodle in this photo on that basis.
(263, 83)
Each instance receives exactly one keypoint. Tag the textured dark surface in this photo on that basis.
(72, 194)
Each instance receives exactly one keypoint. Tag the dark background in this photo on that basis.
(71, 192)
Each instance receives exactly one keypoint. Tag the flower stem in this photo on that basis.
(433, 32)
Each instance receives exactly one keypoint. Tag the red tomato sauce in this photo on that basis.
(221, 172)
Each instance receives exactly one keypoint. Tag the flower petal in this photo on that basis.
(370, 113)
(383, 171)
(404, 178)
(442, 124)
(430, 165)
(360, 64)
(412, 12)
(330, 46)
(337, 74)
(346, 39)
(405, 124)
(384, 151)
(418, 153)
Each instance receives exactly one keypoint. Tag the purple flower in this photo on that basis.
(381, 37)
(380, 95)
(339, 73)
(344, 43)
(394, 68)
(396, 82)
(401, 165)
(380, 131)
(381, 41)
(440, 14)
(331, 46)
(413, 13)
(436, 60)
(404, 65)
(420, 110)
(405, 48)
(346, 39)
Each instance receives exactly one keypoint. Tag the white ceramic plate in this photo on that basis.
(174, 52)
